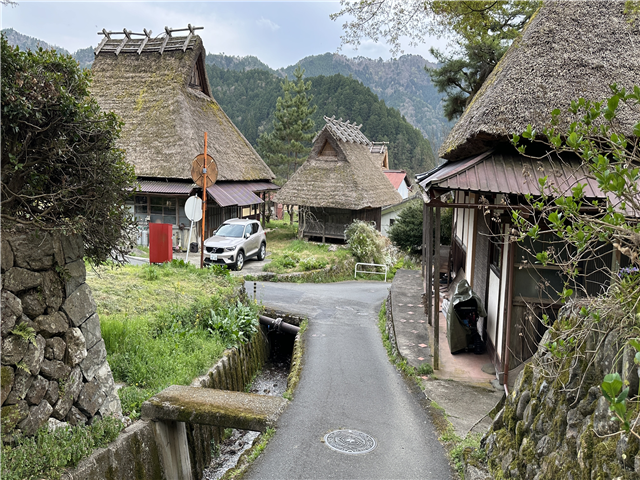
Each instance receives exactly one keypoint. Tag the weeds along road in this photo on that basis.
(347, 382)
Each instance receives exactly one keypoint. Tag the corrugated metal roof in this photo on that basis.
(493, 172)
(228, 194)
(155, 186)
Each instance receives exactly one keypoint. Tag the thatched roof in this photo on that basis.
(569, 49)
(341, 172)
(166, 107)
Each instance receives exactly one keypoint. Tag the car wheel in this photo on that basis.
(239, 261)
(262, 253)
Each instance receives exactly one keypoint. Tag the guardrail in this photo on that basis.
(356, 271)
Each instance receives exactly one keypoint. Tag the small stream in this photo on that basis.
(271, 381)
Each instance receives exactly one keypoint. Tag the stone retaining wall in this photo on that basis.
(560, 427)
(53, 355)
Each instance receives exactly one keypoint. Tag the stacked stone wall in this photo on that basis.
(561, 427)
(53, 356)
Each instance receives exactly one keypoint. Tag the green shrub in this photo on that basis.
(234, 324)
(406, 232)
(365, 242)
(47, 454)
(313, 263)
(286, 260)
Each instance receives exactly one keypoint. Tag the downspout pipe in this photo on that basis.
(279, 325)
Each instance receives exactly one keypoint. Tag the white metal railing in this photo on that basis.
(356, 271)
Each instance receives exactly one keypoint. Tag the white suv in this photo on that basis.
(235, 241)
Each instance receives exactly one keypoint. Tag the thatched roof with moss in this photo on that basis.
(569, 49)
(166, 110)
(343, 171)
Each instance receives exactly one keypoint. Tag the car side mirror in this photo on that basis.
(247, 235)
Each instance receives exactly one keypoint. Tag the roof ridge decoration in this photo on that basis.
(345, 131)
(163, 42)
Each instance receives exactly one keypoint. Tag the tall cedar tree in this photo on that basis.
(286, 147)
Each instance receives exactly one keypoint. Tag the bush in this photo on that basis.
(406, 232)
(312, 263)
(61, 169)
(366, 244)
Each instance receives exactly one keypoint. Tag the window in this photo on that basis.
(163, 210)
(497, 245)
(140, 207)
(254, 228)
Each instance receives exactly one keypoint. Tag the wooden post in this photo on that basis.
(436, 294)
(424, 252)
(264, 208)
(204, 202)
(429, 265)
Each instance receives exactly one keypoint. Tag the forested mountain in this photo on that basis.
(249, 98)
(26, 42)
(402, 83)
(240, 64)
(248, 89)
(84, 56)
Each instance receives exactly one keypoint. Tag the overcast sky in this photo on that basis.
(278, 33)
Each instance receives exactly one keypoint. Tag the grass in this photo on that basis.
(47, 454)
(327, 262)
(397, 360)
(165, 325)
(457, 447)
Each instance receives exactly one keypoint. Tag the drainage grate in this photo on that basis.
(351, 442)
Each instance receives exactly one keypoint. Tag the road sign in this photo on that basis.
(193, 208)
(198, 175)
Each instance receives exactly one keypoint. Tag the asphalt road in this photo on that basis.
(347, 382)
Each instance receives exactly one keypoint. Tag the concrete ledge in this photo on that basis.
(133, 455)
(207, 406)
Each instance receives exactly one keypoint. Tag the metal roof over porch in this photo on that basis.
(235, 193)
(506, 173)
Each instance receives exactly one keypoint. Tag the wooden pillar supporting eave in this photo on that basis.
(436, 293)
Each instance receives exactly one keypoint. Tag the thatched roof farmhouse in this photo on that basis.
(568, 50)
(341, 181)
(159, 87)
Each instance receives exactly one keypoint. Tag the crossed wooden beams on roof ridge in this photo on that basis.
(347, 132)
(147, 36)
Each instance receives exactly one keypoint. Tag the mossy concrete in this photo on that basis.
(132, 456)
(205, 406)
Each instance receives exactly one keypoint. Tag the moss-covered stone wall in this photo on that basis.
(553, 428)
(54, 361)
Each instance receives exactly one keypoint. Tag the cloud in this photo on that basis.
(265, 22)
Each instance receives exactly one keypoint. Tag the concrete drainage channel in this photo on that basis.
(181, 424)
(271, 381)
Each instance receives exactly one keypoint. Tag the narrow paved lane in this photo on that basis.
(347, 383)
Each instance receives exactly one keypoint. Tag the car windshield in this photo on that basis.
(234, 231)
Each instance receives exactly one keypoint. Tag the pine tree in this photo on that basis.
(286, 147)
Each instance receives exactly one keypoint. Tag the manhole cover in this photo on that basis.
(350, 441)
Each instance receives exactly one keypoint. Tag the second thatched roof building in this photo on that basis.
(341, 181)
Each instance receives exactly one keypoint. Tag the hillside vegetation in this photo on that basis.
(249, 98)
(402, 83)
